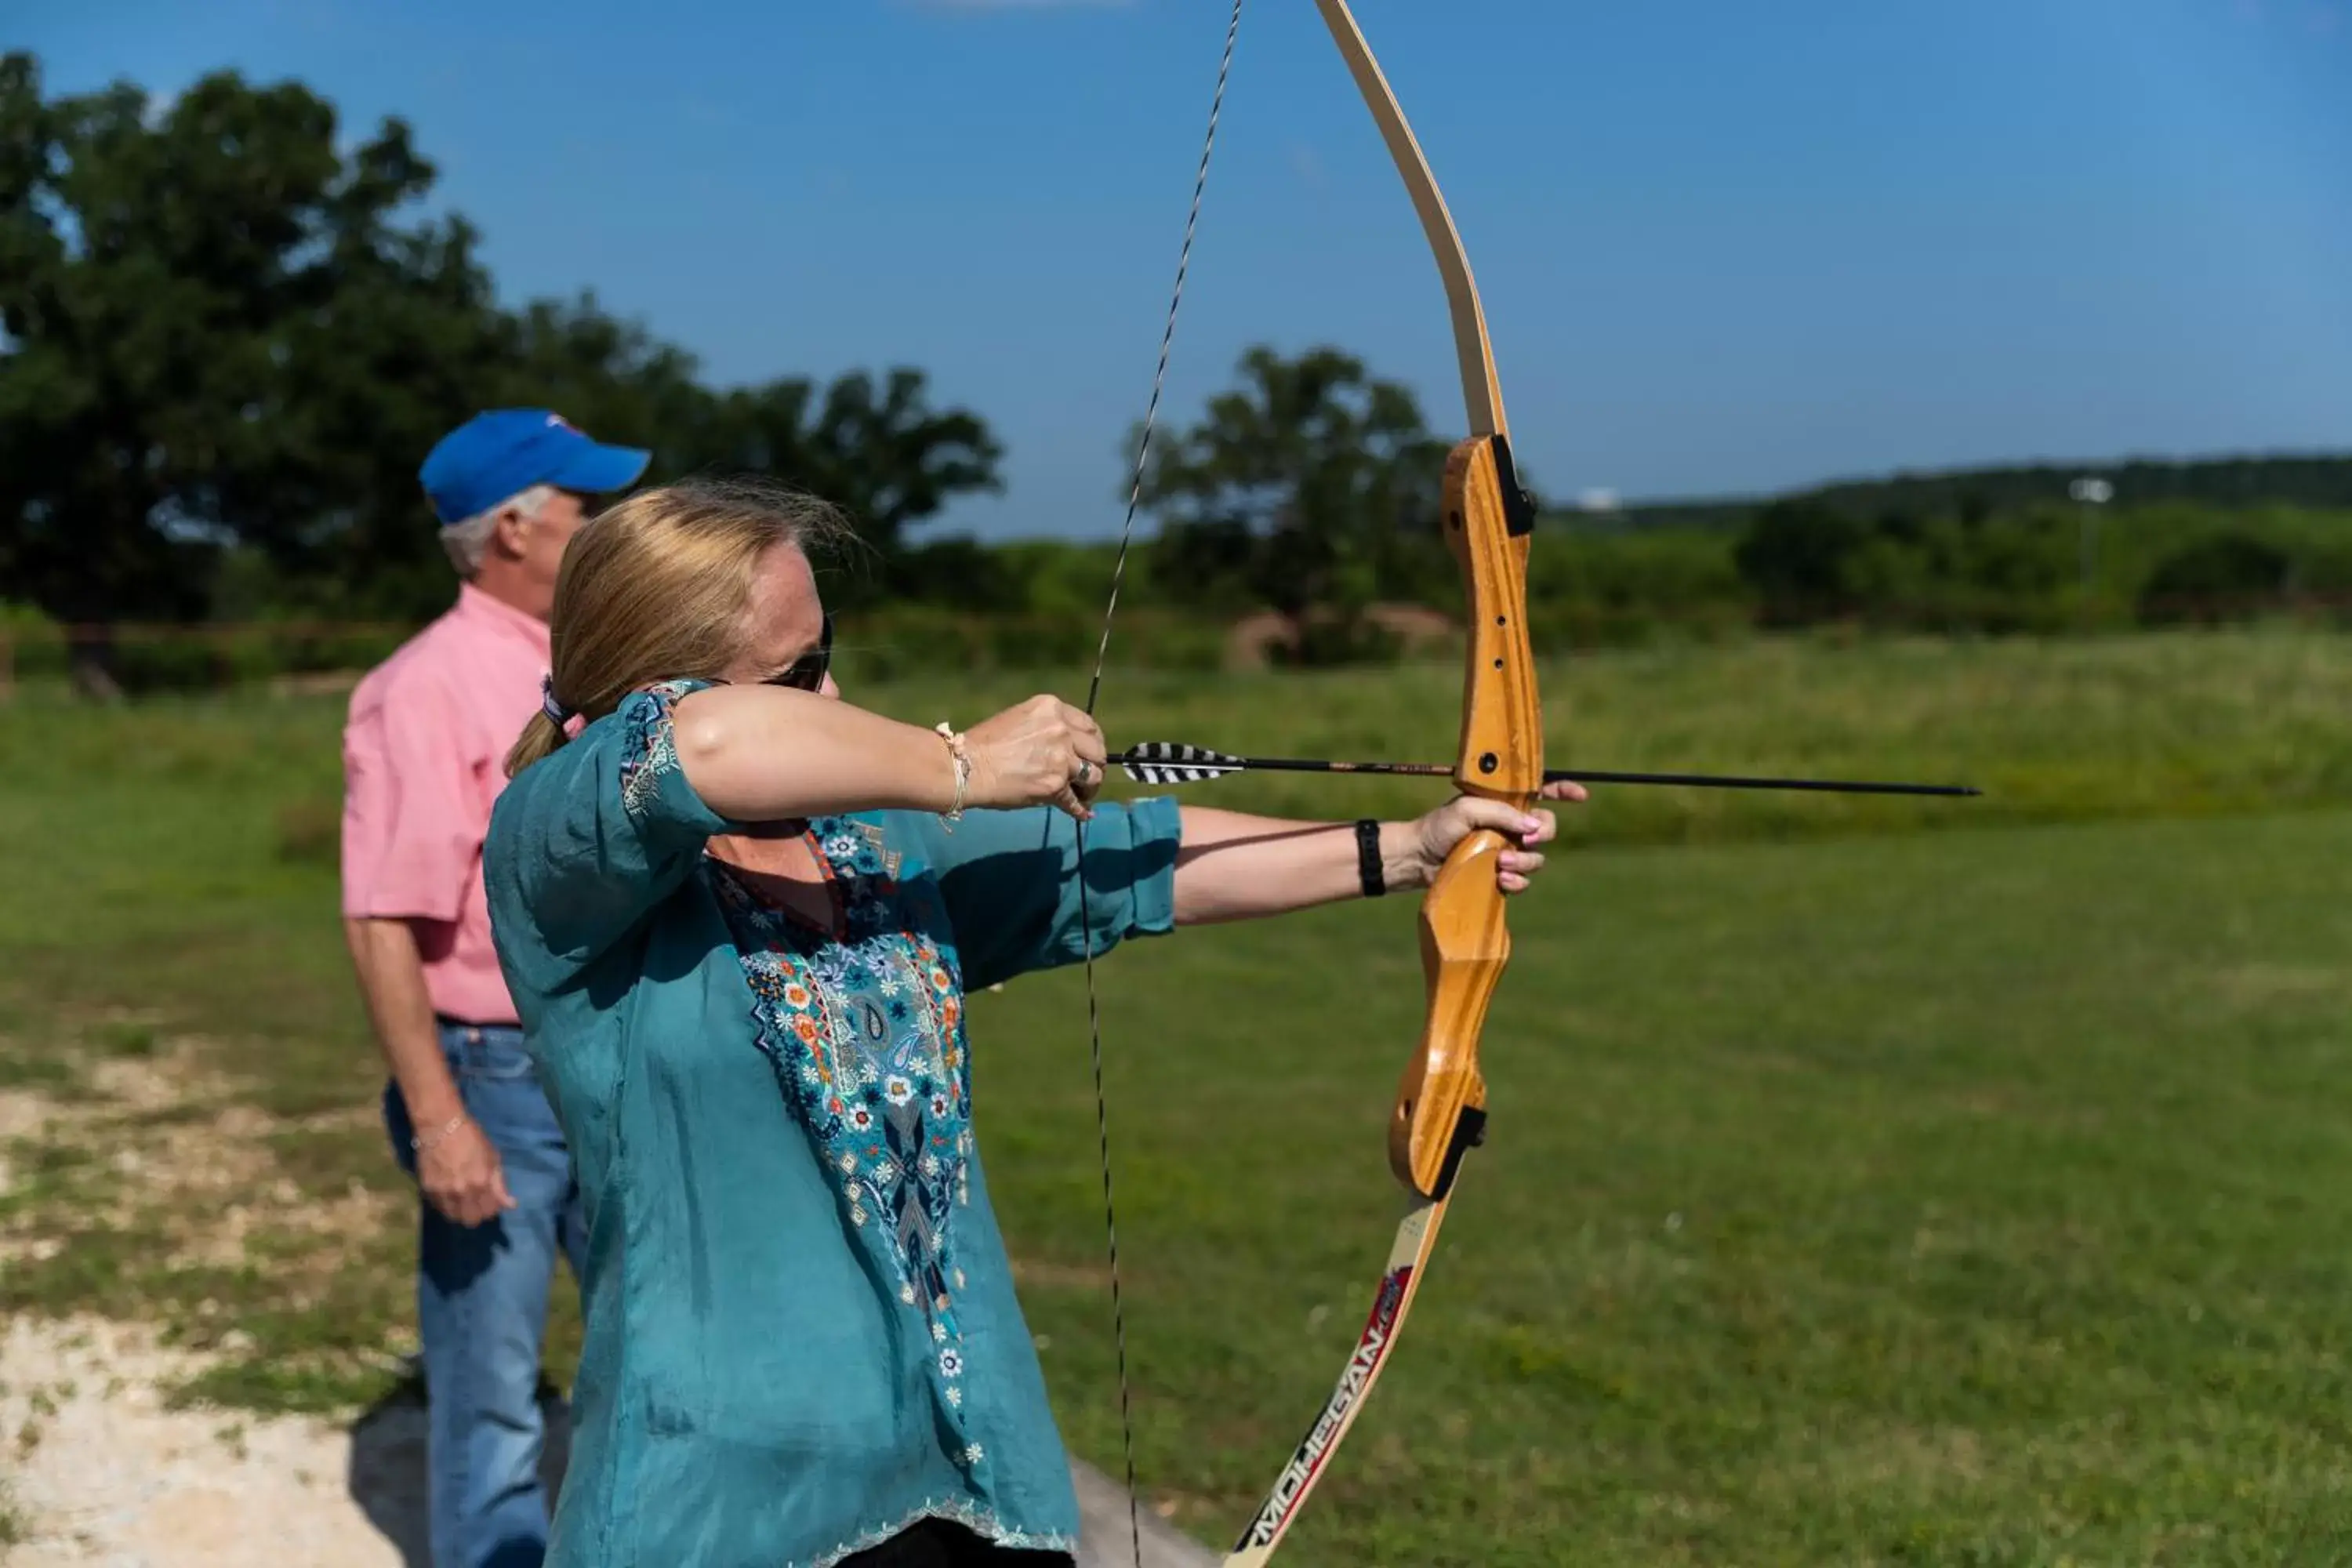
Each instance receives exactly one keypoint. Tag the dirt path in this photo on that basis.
(101, 1472)
(149, 1154)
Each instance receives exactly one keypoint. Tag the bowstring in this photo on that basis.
(1093, 693)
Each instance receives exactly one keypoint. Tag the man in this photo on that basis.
(424, 754)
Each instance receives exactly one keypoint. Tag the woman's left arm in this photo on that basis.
(1232, 867)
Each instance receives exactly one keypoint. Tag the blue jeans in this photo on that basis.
(481, 1309)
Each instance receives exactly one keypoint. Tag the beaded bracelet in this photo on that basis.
(954, 738)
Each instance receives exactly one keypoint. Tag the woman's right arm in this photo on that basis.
(768, 754)
(588, 838)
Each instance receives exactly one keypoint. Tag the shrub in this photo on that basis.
(2225, 576)
(1797, 557)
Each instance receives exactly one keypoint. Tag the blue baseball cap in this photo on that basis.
(503, 452)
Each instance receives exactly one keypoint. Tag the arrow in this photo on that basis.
(1172, 763)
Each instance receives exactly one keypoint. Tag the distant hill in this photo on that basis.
(2313, 479)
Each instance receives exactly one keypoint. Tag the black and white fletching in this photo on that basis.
(1173, 763)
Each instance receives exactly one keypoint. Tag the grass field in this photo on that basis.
(1855, 1194)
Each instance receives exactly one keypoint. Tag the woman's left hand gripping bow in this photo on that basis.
(1436, 833)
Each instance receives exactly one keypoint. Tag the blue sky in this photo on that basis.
(1724, 246)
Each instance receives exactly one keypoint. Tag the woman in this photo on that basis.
(738, 917)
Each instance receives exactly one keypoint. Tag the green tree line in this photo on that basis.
(227, 337)
(228, 343)
(2320, 480)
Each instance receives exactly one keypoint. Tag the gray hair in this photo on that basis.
(468, 541)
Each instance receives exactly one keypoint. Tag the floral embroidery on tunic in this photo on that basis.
(865, 1032)
(866, 1036)
(859, 1019)
(650, 747)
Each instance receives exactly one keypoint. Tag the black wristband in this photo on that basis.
(1368, 857)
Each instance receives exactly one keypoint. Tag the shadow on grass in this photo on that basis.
(387, 1476)
(387, 1483)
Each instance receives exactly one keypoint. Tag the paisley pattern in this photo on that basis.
(866, 1035)
(864, 1028)
(862, 1024)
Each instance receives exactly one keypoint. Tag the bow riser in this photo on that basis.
(1488, 521)
(1465, 940)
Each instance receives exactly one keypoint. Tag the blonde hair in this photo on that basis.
(658, 588)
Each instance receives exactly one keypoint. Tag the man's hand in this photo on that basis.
(457, 1167)
(461, 1175)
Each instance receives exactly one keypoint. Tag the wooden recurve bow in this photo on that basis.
(1440, 1104)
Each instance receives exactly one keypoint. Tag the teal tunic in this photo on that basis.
(801, 1330)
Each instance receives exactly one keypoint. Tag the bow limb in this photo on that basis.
(1417, 1237)
(1482, 393)
(1440, 1112)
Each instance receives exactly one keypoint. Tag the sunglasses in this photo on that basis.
(807, 672)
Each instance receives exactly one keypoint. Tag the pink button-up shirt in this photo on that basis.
(423, 760)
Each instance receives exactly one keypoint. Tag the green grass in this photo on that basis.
(1959, 1199)
(2086, 730)
(1855, 1195)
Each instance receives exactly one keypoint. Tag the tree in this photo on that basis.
(879, 451)
(2223, 578)
(1311, 487)
(1799, 557)
(885, 456)
(206, 310)
(220, 343)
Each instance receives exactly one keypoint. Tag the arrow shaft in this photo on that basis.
(1733, 781)
(1580, 775)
